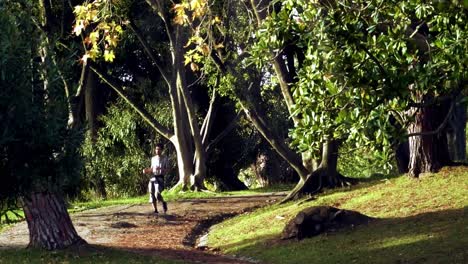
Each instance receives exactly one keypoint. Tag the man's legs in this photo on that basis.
(152, 190)
(159, 189)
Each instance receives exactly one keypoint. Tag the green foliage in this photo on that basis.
(118, 154)
(364, 163)
(362, 61)
(423, 223)
(37, 150)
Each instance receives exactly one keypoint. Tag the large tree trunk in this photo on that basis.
(428, 150)
(421, 148)
(91, 107)
(226, 177)
(456, 136)
(329, 164)
(49, 223)
(402, 157)
(267, 169)
(326, 175)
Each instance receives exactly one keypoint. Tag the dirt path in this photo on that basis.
(135, 228)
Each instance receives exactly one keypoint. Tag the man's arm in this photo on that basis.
(147, 170)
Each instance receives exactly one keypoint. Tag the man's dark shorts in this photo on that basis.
(155, 187)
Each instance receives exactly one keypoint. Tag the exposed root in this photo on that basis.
(315, 182)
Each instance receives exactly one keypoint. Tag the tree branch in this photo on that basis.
(165, 132)
(148, 50)
(226, 131)
(442, 125)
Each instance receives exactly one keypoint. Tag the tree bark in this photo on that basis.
(49, 223)
(329, 163)
(275, 141)
(91, 99)
(422, 148)
(267, 170)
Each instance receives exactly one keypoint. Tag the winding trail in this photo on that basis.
(135, 228)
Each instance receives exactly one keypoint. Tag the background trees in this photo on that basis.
(358, 73)
(316, 79)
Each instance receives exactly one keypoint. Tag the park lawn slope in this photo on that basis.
(422, 221)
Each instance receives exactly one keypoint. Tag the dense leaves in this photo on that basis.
(37, 151)
(364, 60)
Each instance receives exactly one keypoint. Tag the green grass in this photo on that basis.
(86, 255)
(424, 221)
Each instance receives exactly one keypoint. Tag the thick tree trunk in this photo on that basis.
(428, 150)
(329, 164)
(326, 174)
(267, 169)
(91, 107)
(402, 157)
(421, 148)
(456, 136)
(49, 223)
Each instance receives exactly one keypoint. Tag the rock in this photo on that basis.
(318, 219)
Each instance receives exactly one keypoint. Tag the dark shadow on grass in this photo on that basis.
(217, 199)
(432, 237)
(108, 254)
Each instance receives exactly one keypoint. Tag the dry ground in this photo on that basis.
(135, 228)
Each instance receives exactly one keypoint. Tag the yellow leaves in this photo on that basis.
(79, 27)
(205, 50)
(216, 20)
(218, 46)
(197, 8)
(112, 40)
(92, 15)
(103, 32)
(195, 4)
(180, 15)
(194, 66)
(109, 55)
(94, 36)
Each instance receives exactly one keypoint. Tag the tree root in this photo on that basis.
(315, 182)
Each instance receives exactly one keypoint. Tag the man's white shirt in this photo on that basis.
(159, 165)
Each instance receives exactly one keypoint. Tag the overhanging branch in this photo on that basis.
(442, 125)
(140, 110)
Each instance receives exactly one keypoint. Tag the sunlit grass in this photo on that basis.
(424, 221)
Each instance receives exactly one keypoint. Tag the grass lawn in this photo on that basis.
(84, 255)
(422, 221)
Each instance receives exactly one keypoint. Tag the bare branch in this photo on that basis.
(226, 131)
(163, 131)
(148, 50)
(442, 125)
